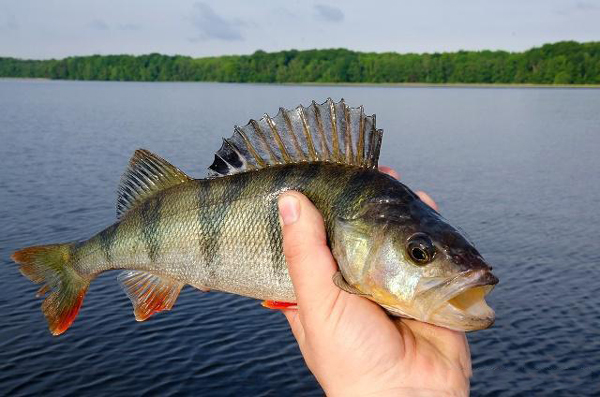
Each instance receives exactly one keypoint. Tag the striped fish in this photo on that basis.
(222, 232)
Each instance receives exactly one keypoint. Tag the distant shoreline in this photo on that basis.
(318, 84)
(561, 64)
(449, 85)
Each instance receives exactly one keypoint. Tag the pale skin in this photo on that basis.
(348, 342)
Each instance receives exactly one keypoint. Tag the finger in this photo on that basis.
(390, 171)
(427, 199)
(422, 195)
(309, 259)
(451, 344)
(295, 324)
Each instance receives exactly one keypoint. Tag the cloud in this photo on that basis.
(98, 24)
(282, 12)
(128, 26)
(210, 25)
(585, 6)
(580, 6)
(329, 13)
(9, 22)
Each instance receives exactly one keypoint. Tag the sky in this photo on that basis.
(45, 29)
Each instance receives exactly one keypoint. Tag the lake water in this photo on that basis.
(518, 169)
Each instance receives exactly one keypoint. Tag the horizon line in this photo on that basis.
(300, 50)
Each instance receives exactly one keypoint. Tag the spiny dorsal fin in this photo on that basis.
(146, 175)
(329, 132)
(149, 293)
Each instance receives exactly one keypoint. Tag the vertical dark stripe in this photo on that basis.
(206, 219)
(348, 198)
(107, 240)
(297, 177)
(280, 175)
(212, 219)
(309, 173)
(150, 214)
(282, 179)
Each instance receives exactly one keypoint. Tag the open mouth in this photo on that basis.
(457, 303)
(472, 301)
(461, 302)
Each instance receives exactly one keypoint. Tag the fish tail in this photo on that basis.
(51, 265)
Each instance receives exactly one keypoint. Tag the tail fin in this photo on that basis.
(50, 265)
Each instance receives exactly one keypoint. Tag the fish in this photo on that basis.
(222, 232)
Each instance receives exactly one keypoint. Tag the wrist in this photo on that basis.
(396, 391)
(393, 385)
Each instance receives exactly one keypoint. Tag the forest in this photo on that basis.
(565, 62)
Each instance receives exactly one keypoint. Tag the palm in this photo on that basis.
(424, 355)
(396, 351)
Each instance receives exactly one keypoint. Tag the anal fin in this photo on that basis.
(149, 293)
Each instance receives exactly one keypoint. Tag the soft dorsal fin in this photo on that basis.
(146, 175)
(329, 132)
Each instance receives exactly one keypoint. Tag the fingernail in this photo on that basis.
(390, 171)
(289, 209)
(427, 199)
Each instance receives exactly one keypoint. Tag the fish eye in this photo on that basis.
(420, 248)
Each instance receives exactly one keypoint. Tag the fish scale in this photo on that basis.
(222, 233)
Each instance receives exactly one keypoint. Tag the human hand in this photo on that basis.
(348, 342)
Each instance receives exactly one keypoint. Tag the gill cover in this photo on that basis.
(366, 249)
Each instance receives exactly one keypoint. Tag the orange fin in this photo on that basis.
(149, 293)
(278, 305)
(50, 265)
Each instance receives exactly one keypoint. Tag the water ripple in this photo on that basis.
(519, 176)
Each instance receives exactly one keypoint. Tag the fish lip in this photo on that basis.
(484, 277)
(438, 309)
(432, 304)
(454, 286)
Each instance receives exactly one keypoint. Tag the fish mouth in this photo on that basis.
(456, 303)
(459, 302)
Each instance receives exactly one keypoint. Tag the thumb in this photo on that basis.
(310, 263)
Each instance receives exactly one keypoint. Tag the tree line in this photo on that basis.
(565, 62)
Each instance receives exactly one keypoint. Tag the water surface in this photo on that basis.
(517, 169)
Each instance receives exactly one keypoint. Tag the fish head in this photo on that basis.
(405, 256)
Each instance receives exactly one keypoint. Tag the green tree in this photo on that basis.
(559, 63)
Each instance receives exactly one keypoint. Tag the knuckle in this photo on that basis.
(295, 251)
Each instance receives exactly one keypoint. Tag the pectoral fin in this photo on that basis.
(340, 282)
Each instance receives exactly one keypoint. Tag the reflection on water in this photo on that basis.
(515, 168)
